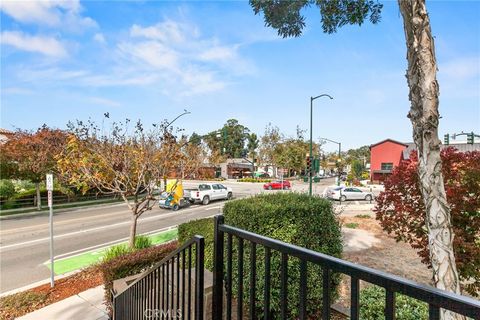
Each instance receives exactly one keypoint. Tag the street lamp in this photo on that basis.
(184, 113)
(311, 143)
(339, 155)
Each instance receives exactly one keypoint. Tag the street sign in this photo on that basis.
(50, 198)
(50, 182)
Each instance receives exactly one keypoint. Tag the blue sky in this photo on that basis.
(149, 60)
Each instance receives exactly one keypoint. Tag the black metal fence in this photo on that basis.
(222, 280)
(166, 291)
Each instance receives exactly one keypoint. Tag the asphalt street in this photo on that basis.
(24, 242)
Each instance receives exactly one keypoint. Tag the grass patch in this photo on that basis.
(351, 225)
(363, 216)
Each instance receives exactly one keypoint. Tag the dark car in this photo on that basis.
(277, 185)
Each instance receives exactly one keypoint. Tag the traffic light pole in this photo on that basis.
(311, 142)
(311, 148)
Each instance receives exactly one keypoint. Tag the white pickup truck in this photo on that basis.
(207, 192)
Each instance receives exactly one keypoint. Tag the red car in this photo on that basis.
(277, 185)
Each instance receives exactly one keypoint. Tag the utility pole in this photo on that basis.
(311, 142)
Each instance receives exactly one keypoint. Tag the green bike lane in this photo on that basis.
(88, 258)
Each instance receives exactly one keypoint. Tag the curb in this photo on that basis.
(57, 211)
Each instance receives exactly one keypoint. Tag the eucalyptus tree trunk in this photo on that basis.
(424, 91)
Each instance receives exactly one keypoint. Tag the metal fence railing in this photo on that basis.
(240, 239)
(166, 291)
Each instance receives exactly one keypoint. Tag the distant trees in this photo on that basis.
(401, 211)
(31, 155)
(127, 162)
(286, 152)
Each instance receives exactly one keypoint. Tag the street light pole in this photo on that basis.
(339, 156)
(311, 142)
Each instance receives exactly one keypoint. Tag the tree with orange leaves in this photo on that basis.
(31, 155)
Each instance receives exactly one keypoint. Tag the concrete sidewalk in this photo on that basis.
(87, 305)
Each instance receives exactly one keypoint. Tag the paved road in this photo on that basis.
(24, 245)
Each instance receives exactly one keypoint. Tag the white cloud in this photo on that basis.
(187, 62)
(42, 44)
(99, 37)
(53, 13)
(104, 102)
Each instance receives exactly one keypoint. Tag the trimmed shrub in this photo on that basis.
(372, 305)
(290, 217)
(203, 227)
(130, 264)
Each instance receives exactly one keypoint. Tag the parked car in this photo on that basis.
(285, 184)
(343, 194)
(207, 192)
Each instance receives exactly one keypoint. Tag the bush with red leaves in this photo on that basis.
(401, 211)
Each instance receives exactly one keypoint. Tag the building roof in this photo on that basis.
(461, 147)
(387, 140)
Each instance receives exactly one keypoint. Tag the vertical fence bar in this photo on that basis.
(183, 284)
(266, 294)
(218, 236)
(326, 275)
(172, 285)
(284, 286)
(163, 290)
(390, 305)
(433, 312)
(189, 282)
(167, 284)
(253, 277)
(354, 298)
(199, 278)
(177, 304)
(240, 280)
(303, 290)
(229, 276)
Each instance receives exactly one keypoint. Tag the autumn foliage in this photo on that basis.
(401, 211)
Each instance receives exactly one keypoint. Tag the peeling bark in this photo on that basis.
(424, 92)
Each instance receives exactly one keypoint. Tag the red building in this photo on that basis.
(384, 156)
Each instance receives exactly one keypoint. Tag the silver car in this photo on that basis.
(350, 193)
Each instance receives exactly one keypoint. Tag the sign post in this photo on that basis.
(50, 205)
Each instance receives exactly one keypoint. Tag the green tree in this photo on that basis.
(229, 140)
(287, 19)
(270, 145)
(357, 169)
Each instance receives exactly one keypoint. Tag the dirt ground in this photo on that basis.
(386, 255)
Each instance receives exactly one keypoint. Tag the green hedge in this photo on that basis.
(254, 180)
(131, 264)
(290, 217)
(372, 305)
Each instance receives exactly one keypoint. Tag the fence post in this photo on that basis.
(217, 303)
(199, 277)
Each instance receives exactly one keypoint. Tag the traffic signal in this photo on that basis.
(309, 166)
(470, 138)
(446, 139)
(316, 165)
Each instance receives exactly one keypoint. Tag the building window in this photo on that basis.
(387, 166)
